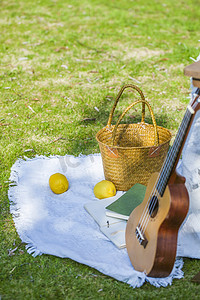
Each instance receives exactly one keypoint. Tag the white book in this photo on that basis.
(113, 228)
(113, 214)
(116, 233)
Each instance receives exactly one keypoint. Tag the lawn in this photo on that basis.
(62, 63)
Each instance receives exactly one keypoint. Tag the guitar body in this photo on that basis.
(156, 254)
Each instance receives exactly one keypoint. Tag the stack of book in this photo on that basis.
(112, 214)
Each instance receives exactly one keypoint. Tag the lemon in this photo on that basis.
(58, 183)
(104, 189)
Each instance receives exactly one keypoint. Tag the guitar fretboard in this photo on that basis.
(173, 153)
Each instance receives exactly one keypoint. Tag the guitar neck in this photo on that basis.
(175, 151)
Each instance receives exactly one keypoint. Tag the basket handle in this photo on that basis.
(144, 102)
(134, 87)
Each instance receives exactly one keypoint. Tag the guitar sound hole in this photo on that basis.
(153, 206)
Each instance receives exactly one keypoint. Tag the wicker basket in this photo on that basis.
(132, 152)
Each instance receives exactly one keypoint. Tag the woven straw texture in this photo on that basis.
(132, 152)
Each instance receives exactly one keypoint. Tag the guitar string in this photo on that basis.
(179, 140)
(153, 198)
(184, 125)
(152, 192)
(150, 206)
(168, 157)
(165, 173)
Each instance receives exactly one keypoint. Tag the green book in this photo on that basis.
(123, 206)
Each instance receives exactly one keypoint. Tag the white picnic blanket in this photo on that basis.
(59, 225)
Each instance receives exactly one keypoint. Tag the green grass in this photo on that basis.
(59, 60)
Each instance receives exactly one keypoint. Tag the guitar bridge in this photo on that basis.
(141, 236)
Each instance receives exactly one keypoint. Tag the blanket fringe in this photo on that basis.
(176, 273)
(33, 250)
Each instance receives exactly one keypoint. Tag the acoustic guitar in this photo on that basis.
(152, 228)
